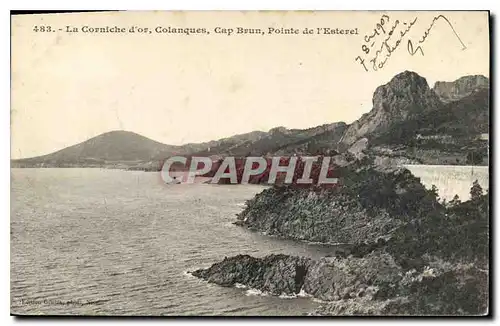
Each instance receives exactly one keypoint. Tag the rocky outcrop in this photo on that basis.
(406, 106)
(274, 274)
(276, 130)
(460, 88)
(430, 126)
(388, 163)
(408, 254)
(333, 279)
(327, 279)
(374, 284)
(367, 205)
(407, 94)
(317, 217)
(375, 204)
(437, 289)
(358, 148)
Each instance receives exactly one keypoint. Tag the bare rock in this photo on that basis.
(358, 148)
(405, 95)
(275, 274)
(460, 88)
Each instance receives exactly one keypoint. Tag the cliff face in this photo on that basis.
(430, 126)
(406, 95)
(460, 88)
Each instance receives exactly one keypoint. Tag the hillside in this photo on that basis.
(451, 135)
(466, 117)
(283, 141)
(398, 248)
(460, 88)
(114, 146)
(447, 124)
(125, 149)
(401, 99)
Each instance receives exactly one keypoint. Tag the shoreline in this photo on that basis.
(384, 270)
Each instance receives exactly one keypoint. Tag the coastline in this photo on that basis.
(414, 275)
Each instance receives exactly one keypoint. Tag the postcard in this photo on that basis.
(250, 163)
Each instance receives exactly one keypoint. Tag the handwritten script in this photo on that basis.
(388, 35)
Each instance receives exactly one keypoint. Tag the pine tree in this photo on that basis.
(476, 191)
(455, 201)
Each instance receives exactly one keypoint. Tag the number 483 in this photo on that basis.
(42, 29)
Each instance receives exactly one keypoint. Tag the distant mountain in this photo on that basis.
(464, 118)
(460, 88)
(408, 119)
(225, 146)
(283, 141)
(455, 132)
(320, 140)
(110, 146)
(402, 98)
(125, 149)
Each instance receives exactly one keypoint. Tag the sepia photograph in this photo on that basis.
(250, 163)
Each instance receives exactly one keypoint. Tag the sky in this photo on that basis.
(69, 87)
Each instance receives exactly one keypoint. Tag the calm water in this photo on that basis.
(451, 180)
(122, 242)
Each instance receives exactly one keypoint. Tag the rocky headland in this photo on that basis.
(407, 252)
(402, 250)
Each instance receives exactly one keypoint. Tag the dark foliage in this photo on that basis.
(467, 117)
(458, 233)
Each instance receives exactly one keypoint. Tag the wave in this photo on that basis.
(304, 294)
(240, 286)
(301, 294)
(256, 292)
(188, 274)
(319, 300)
(287, 296)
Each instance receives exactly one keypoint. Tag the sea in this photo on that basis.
(113, 242)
